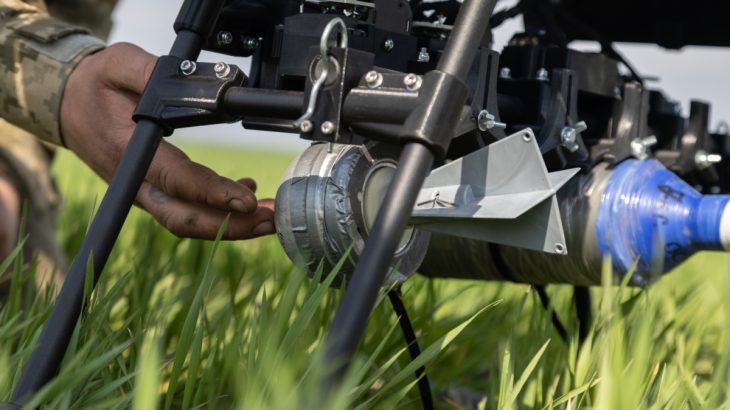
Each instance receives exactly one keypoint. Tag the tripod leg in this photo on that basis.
(557, 323)
(98, 243)
(362, 291)
(413, 167)
(424, 387)
(583, 311)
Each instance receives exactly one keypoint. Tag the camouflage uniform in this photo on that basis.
(37, 54)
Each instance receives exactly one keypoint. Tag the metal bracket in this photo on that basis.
(630, 126)
(325, 68)
(559, 110)
(695, 147)
(485, 94)
(502, 194)
(382, 102)
(327, 85)
(182, 93)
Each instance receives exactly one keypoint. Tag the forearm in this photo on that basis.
(37, 54)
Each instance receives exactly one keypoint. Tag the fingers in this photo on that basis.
(250, 183)
(267, 203)
(191, 220)
(176, 175)
(187, 198)
(128, 67)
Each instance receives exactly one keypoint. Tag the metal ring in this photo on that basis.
(326, 35)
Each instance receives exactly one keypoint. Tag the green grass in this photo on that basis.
(190, 324)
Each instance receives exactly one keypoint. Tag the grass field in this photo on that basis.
(189, 324)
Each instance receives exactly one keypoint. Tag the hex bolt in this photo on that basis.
(188, 67)
(224, 38)
(569, 136)
(222, 70)
(487, 121)
(412, 82)
(423, 55)
(542, 74)
(251, 43)
(373, 79)
(389, 45)
(704, 160)
(306, 126)
(505, 73)
(328, 128)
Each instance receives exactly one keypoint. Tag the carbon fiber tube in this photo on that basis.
(98, 243)
(464, 41)
(352, 316)
(414, 164)
(261, 103)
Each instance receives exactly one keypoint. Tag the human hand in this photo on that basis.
(187, 198)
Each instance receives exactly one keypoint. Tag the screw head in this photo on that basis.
(639, 149)
(306, 126)
(222, 70)
(412, 82)
(328, 128)
(640, 146)
(373, 79)
(251, 43)
(505, 73)
(224, 38)
(483, 120)
(487, 121)
(704, 160)
(542, 74)
(389, 45)
(423, 55)
(569, 136)
(188, 67)
(568, 139)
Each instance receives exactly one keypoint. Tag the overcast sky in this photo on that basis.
(693, 73)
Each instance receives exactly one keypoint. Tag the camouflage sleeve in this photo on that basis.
(37, 54)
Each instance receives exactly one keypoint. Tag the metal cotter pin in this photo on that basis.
(323, 51)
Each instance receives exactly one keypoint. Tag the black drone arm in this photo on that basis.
(193, 24)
